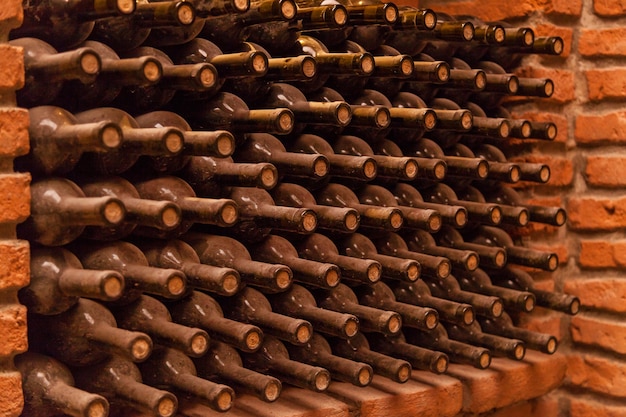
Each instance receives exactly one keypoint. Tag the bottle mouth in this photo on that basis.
(288, 9)
(207, 76)
(432, 320)
(430, 120)
(111, 136)
(176, 285)
(229, 214)
(406, 66)
(332, 277)
(468, 31)
(394, 324)
(125, 6)
(173, 141)
(496, 215)
(497, 308)
(410, 169)
(367, 64)
(241, 6)
(199, 344)
(285, 122)
(519, 352)
(391, 13)
(526, 129)
(499, 35)
(113, 287)
(560, 217)
(309, 67)
(553, 262)
(383, 118)
(500, 258)
(529, 304)
(114, 212)
(268, 177)
(443, 269)
(468, 316)
(544, 173)
(283, 278)
(460, 218)
(90, 63)
(99, 407)
(152, 71)
(513, 85)
(225, 144)
(340, 16)
(351, 327)
(272, 391)
(430, 20)
(141, 349)
(471, 263)
(374, 272)
(440, 170)
(259, 63)
(557, 46)
(322, 380)
(441, 365)
(224, 401)
(443, 72)
(167, 406)
(413, 272)
(185, 14)
(434, 223)
(404, 373)
(170, 217)
(523, 218)
(484, 360)
(303, 333)
(528, 37)
(230, 284)
(551, 346)
(482, 171)
(253, 340)
(548, 88)
(480, 82)
(364, 377)
(309, 221)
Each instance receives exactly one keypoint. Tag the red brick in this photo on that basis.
(587, 213)
(561, 169)
(13, 131)
(564, 82)
(487, 10)
(550, 30)
(599, 293)
(564, 7)
(602, 375)
(560, 121)
(607, 128)
(12, 68)
(15, 265)
(606, 171)
(602, 42)
(605, 334)
(606, 84)
(545, 406)
(11, 398)
(602, 254)
(543, 321)
(15, 204)
(609, 8)
(13, 330)
(11, 15)
(589, 408)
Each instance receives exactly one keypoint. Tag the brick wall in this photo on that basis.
(14, 208)
(588, 167)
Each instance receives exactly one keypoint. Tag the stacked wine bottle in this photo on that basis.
(229, 196)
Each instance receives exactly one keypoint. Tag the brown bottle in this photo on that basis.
(392, 70)
(386, 218)
(358, 349)
(341, 219)
(86, 334)
(57, 140)
(171, 369)
(277, 249)
(177, 254)
(520, 280)
(502, 171)
(273, 359)
(504, 326)
(119, 380)
(60, 211)
(148, 315)
(49, 389)
(320, 248)
(220, 212)
(129, 261)
(499, 85)
(137, 141)
(250, 306)
(208, 176)
(317, 352)
(407, 195)
(359, 246)
(489, 257)
(414, 218)
(535, 172)
(115, 74)
(418, 356)
(57, 280)
(371, 319)
(46, 70)
(297, 301)
(538, 130)
(502, 346)
(458, 352)
(392, 244)
(222, 363)
(513, 215)
(418, 293)
(492, 236)
(200, 310)
(445, 138)
(509, 57)
(429, 75)
(268, 277)
(513, 300)
(263, 147)
(162, 215)
(486, 213)
(423, 242)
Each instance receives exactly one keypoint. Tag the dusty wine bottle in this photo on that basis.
(407, 195)
(499, 345)
(513, 215)
(504, 326)
(488, 256)
(487, 213)
(418, 356)
(423, 242)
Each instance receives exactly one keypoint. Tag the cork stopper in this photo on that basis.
(468, 316)
(553, 262)
(460, 218)
(199, 344)
(241, 5)
(207, 77)
(229, 214)
(125, 6)
(332, 278)
(114, 212)
(365, 377)
(391, 14)
(394, 324)
(406, 66)
(551, 346)
(166, 407)
(472, 262)
(499, 35)
(170, 217)
(496, 215)
(441, 365)
(430, 120)
(373, 273)
(529, 304)
(340, 17)
(513, 85)
(113, 287)
(443, 270)
(410, 169)
(285, 122)
(344, 114)
(443, 73)
(224, 401)
(303, 332)
(483, 169)
(500, 258)
(152, 71)
(185, 14)
(271, 391)
(90, 63)
(369, 169)
(519, 352)
(268, 177)
(551, 131)
(497, 308)
(283, 279)
(288, 10)
(505, 129)
(141, 349)
(383, 118)
(430, 19)
(485, 360)
(259, 63)
(544, 174)
(322, 380)
(560, 217)
(558, 46)
(98, 408)
(468, 32)
(440, 171)
(225, 144)
(309, 67)
(253, 340)
(230, 283)
(523, 218)
(320, 168)
(395, 220)
(367, 64)
(480, 81)
(350, 327)
(351, 221)
(529, 38)
(404, 373)
(413, 272)
(434, 222)
(431, 320)
(526, 130)
(173, 142)
(176, 285)
(111, 136)
(309, 221)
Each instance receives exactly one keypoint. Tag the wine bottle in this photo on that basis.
(359, 246)
(250, 306)
(317, 352)
(504, 326)
(119, 380)
(169, 368)
(222, 363)
(60, 211)
(318, 247)
(464, 81)
(509, 57)
(129, 261)
(423, 242)
(429, 75)
(473, 334)
(342, 219)
(273, 359)
(418, 356)
(538, 130)
(457, 351)
(357, 348)
(115, 74)
(86, 334)
(499, 85)
(499, 170)
(488, 256)
(67, 24)
(57, 280)
(513, 215)
(220, 212)
(200, 310)
(179, 255)
(48, 388)
(150, 316)
(446, 138)
(379, 295)
(163, 215)
(406, 195)
(137, 141)
(419, 294)
(57, 140)
(392, 244)
(297, 301)
(492, 236)
(277, 249)
(46, 70)
(535, 172)
(343, 300)
(391, 70)
(232, 254)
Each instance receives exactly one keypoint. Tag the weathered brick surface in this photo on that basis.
(15, 204)
(13, 131)
(589, 213)
(13, 329)
(606, 84)
(12, 68)
(11, 399)
(14, 264)
(11, 15)
(606, 334)
(600, 129)
(606, 171)
(597, 374)
(602, 42)
(609, 8)
(605, 294)
(580, 407)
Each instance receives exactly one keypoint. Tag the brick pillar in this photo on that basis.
(14, 208)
